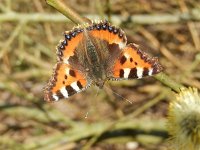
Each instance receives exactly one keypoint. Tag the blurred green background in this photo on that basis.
(97, 120)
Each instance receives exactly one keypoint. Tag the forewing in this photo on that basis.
(110, 41)
(67, 47)
(106, 32)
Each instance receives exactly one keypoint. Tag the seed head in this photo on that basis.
(184, 120)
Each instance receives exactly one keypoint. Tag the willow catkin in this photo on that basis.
(184, 120)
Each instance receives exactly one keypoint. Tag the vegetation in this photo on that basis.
(94, 119)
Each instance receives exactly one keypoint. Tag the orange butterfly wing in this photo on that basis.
(106, 32)
(121, 61)
(64, 83)
(133, 63)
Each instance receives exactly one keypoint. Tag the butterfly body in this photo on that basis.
(95, 67)
(94, 54)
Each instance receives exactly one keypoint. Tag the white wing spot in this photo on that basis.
(126, 72)
(122, 45)
(139, 72)
(55, 97)
(66, 60)
(126, 55)
(67, 71)
(150, 71)
(64, 92)
(74, 86)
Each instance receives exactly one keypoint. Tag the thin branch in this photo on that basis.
(191, 25)
(14, 34)
(47, 26)
(65, 10)
(166, 80)
(145, 19)
(84, 130)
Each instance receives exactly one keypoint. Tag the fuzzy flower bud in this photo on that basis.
(184, 120)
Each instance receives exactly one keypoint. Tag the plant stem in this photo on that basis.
(65, 10)
(166, 80)
(135, 19)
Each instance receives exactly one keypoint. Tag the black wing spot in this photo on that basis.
(98, 27)
(79, 85)
(63, 82)
(133, 73)
(121, 73)
(123, 60)
(110, 28)
(115, 31)
(131, 59)
(72, 73)
(59, 94)
(68, 37)
(74, 34)
(136, 63)
(70, 90)
(65, 77)
(145, 71)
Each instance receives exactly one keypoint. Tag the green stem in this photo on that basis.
(65, 10)
(166, 80)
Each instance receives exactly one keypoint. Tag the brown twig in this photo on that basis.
(191, 25)
(143, 19)
(47, 26)
(65, 10)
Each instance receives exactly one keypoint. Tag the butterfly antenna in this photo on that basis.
(118, 94)
(90, 109)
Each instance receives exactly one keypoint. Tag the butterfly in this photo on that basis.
(92, 54)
